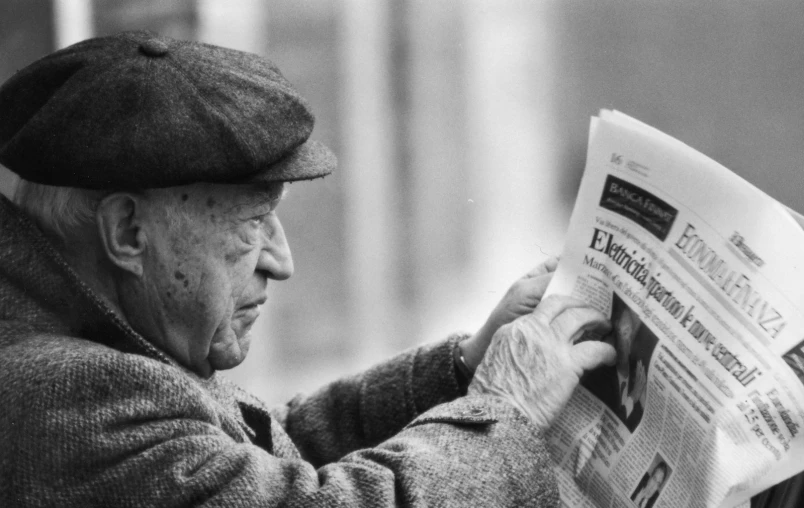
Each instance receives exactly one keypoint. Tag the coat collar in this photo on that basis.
(38, 287)
(39, 291)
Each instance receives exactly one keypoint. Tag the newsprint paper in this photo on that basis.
(701, 274)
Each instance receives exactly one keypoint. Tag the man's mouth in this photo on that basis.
(253, 304)
(250, 311)
(247, 314)
(249, 308)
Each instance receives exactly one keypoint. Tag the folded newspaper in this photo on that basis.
(701, 273)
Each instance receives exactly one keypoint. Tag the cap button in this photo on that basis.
(153, 47)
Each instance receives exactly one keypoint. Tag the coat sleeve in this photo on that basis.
(362, 411)
(102, 428)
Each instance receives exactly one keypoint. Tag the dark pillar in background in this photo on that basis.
(26, 33)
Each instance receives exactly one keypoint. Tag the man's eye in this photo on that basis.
(258, 221)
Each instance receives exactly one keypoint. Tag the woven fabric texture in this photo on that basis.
(94, 415)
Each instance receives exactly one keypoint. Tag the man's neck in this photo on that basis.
(84, 255)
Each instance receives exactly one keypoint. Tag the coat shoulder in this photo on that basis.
(43, 372)
(31, 356)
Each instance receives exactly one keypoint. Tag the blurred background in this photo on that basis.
(461, 130)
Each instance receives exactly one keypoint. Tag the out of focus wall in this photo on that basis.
(723, 76)
(461, 127)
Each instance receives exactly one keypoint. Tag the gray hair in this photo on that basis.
(58, 210)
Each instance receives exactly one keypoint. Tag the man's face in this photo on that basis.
(621, 337)
(206, 270)
(624, 331)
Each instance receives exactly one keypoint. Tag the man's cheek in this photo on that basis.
(246, 239)
(236, 255)
(240, 269)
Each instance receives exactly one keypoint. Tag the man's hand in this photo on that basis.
(521, 298)
(534, 362)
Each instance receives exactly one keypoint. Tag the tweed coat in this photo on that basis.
(95, 415)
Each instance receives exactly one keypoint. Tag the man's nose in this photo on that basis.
(275, 257)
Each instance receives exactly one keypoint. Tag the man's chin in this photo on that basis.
(229, 354)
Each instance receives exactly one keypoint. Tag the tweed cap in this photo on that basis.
(136, 110)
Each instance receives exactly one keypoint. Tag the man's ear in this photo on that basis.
(119, 218)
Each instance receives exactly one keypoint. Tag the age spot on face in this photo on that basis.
(181, 277)
(185, 197)
(211, 202)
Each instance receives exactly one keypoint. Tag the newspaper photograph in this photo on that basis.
(700, 274)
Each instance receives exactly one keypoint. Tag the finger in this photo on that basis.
(573, 322)
(554, 305)
(549, 265)
(591, 355)
(536, 286)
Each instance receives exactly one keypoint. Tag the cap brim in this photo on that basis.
(307, 161)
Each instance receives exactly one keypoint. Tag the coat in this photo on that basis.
(95, 415)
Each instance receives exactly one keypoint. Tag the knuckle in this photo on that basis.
(586, 315)
(525, 327)
(537, 319)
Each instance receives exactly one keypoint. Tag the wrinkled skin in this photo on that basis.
(205, 271)
(521, 299)
(534, 362)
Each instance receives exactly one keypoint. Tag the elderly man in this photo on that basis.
(133, 264)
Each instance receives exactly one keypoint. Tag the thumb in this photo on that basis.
(592, 354)
(536, 286)
(548, 266)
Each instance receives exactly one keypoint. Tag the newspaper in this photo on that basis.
(701, 274)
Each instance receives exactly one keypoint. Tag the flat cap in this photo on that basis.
(136, 110)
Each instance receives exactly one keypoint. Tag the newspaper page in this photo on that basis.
(701, 275)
